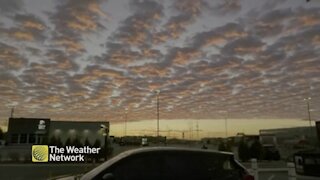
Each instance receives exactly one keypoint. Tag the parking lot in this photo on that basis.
(268, 170)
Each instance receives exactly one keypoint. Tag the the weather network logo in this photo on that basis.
(40, 153)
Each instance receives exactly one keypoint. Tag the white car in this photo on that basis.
(168, 163)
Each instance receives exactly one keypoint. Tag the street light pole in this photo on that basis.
(105, 130)
(226, 123)
(309, 115)
(158, 115)
(125, 123)
(226, 126)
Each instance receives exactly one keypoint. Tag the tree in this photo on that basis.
(97, 144)
(256, 150)
(1, 134)
(222, 146)
(243, 151)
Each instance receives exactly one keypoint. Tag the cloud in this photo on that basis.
(10, 7)
(273, 22)
(28, 28)
(9, 82)
(307, 38)
(75, 62)
(30, 22)
(73, 18)
(119, 54)
(271, 4)
(77, 16)
(192, 7)
(60, 61)
(243, 46)
(218, 36)
(72, 46)
(150, 70)
(182, 56)
(176, 25)
(227, 7)
(137, 29)
(304, 18)
(10, 58)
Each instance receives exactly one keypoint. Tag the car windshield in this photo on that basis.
(82, 81)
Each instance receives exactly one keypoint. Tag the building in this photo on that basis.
(28, 131)
(318, 131)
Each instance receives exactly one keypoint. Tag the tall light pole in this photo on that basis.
(12, 112)
(309, 115)
(105, 130)
(226, 123)
(158, 115)
(125, 122)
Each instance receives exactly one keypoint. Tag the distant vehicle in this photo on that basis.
(307, 163)
(166, 163)
(144, 142)
(130, 140)
(270, 152)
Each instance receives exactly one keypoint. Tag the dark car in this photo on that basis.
(167, 163)
(271, 153)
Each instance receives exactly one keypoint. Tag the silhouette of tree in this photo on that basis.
(97, 144)
(222, 146)
(1, 134)
(243, 151)
(256, 150)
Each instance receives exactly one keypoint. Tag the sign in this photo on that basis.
(45, 153)
(42, 125)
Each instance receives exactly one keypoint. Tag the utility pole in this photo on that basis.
(158, 115)
(309, 114)
(125, 122)
(197, 129)
(12, 112)
(226, 124)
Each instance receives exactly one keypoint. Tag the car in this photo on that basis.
(144, 142)
(170, 163)
(271, 153)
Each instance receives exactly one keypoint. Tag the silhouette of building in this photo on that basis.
(28, 131)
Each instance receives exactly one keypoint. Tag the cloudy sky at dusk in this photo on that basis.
(91, 60)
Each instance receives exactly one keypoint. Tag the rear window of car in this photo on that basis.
(200, 166)
(176, 165)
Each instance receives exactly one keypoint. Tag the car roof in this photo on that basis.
(125, 154)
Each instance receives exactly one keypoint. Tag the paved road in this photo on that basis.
(44, 171)
(40, 171)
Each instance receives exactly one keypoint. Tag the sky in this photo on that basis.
(98, 59)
